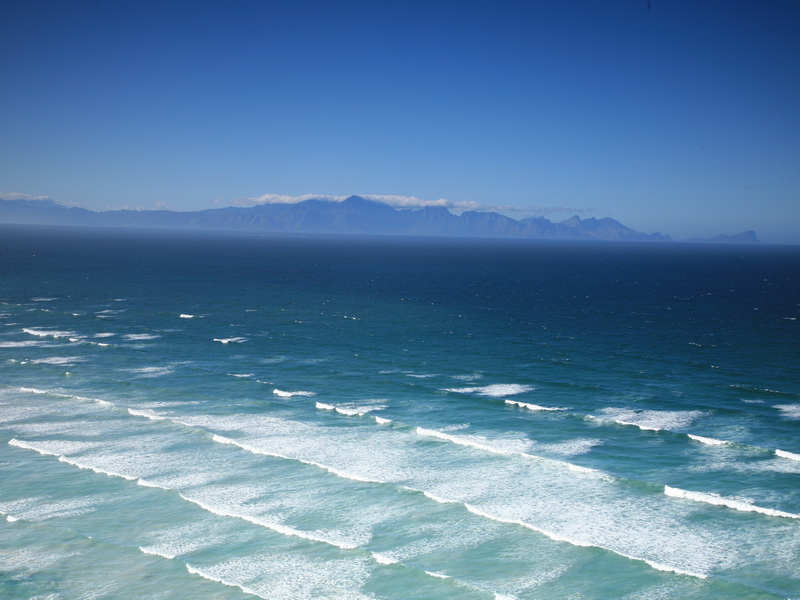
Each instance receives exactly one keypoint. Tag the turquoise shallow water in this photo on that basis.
(204, 415)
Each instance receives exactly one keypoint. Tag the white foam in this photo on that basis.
(55, 334)
(54, 447)
(58, 360)
(383, 559)
(30, 446)
(198, 571)
(508, 447)
(242, 375)
(41, 448)
(532, 406)
(233, 340)
(151, 371)
(438, 575)
(575, 542)
(650, 420)
(589, 470)
(62, 395)
(553, 536)
(38, 299)
(290, 575)
(717, 500)
(224, 511)
(790, 411)
(75, 463)
(381, 420)
(33, 390)
(667, 568)
(571, 447)
(350, 410)
(285, 394)
(496, 390)
(157, 551)
(789, 455)
(708, 441)
(104, 335)
(255, 450)
(26, 344)
(434, 497)
(148, 414)
(140, 337)
(185, 316)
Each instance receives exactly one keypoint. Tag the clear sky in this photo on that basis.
(679, 116)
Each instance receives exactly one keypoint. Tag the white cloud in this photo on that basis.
(413, 202)
(20, 196)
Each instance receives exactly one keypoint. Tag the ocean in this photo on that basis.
(220, 416)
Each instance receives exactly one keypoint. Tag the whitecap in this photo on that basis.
(52, 333)
(717, 500)
(185, 316)
(24, 344)
(496, 390)
(532, 406)
(513, 446)
(351, 410)
(650, 420)
(151, 371)
(285, 394)
(383, 559)
(139, 337)
(58, 360)
(148, 414)
(708, 441)
(789, 455)
(233, 340)
(790, 411)
(570, 447)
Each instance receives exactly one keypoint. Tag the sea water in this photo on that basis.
(207, 415)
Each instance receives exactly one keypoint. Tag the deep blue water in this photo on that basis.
(202, 415)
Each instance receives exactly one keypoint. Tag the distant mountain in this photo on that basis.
(354, 215)
(746, 237)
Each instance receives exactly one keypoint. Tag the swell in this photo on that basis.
(610, 421)
(466, 505)
(704, 497)
(716, 500)
(287, 531)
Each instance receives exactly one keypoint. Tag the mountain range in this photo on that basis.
(354, 215)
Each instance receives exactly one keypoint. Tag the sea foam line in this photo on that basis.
(282, 529)
(716, 500)
(223, 512)
(560, 538)
(28, 390)
(199, 572)
(276, 527)
(255, 450)
(471, 508)
(62, 458)
(285, 530)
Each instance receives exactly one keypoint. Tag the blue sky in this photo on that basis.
(679, 116)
